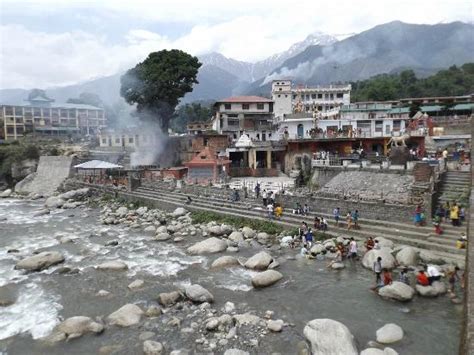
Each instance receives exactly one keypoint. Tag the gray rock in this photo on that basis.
(103, 293)
(40, 261)
(136, 284)
(6, 193)
(41, 212)
(328, 336)
(229, 307)
(152, 348)
(125, 316)
(146, 335)
(429, 257)
(236, 237)
(150, 229)
(248, 319)
(225, 261)
(208, 246)
(54, 202)
(388, 261)
(121, 211)
(115, 265)
(440, 287)
(337, 266)
(259, 261)
(248, 233)
(317, 248)
(389, 333)
(8, 294)
(73, 327)
(169, 298)
(384, 242)
(266, 278)
(407, 256)
(275, 325)
(153, 311)
(426, 291)
(235, 352)
(161, 237)
(212, 323)
(197, 293)
(178, 212)
(397, 291)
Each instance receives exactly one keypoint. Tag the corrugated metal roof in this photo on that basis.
(97, 164)
(462, 107)
(400, 110)
(432, 108)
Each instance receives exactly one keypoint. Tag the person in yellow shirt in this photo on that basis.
(454, 214)
(278, 211)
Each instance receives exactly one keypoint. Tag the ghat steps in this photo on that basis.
(455, 186)
(400, 233)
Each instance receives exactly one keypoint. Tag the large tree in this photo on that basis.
(87, 98)
(156, 84)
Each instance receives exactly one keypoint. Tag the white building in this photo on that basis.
(249, 115)
(323, 101)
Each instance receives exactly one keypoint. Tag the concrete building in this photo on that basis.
(194, 128)
(321, 101)
(130, 138)
(41, 115)
(249, 115)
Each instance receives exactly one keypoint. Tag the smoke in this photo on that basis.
(337, 54)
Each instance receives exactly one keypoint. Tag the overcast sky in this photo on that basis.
(59, 42)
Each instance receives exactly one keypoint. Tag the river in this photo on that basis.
(308, 290)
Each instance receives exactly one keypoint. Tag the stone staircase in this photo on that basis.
(404, 233)
(455, 186)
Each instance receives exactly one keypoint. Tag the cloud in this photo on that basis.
(111, 35)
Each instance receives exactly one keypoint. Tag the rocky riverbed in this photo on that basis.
(121, 280)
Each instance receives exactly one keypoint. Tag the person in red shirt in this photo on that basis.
(422, 279)
(387, 277)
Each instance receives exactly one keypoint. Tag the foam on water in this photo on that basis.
(35, 311)
(235, 279)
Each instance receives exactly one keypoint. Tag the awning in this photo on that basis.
(98, 164)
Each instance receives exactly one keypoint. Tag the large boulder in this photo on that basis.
(440, 287)
(151, 347)
(236, 237)
(162, 237)
(125, 316)
(248, 233)
(167, 299)
(180, 211)
(329, 337)
(266, 278)
(259, 261)
(199, 294)
(73, 327)
(208, 246)
(317, 248)
(389, 333)
(75, 194)
(408, 256)
(121, 211)
(54, 202)
(429, 257)
(426, 291)
(40, 261)
(385, 243)
(225, 261)
(388, 261)
(115, 265)
(8, 294)
(398, 291)
(6, 193)
(216, 230)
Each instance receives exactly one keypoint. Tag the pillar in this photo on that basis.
(250, 158)
(269, 159)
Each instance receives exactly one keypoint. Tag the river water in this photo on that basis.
(308, 290)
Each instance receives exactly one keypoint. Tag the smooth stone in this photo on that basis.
(40, 261)
(328, 336)
(397, 291)
(208, 246)
(169, 298)
(112, 266)
(266, 278)
(136, 284)
(389, 333)
(275, 325)
(259, 261)
(225, 261)
(125, 316)
(197, 293)
(152, 348)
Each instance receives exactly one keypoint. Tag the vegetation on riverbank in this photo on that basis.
(15, 153)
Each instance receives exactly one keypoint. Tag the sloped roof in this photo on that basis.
(462, 107)
(246, 99)
(206, 156)
(97, 164)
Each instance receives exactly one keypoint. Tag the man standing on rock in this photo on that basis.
(337, 215)
(378, 270)
(264, 197)
(352, 249)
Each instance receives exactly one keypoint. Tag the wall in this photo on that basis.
(321, 176)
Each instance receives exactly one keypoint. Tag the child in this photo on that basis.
(278, 211)
(403, 277)
(387, 277)
(437, 224)
(349, 220)
(304, 250)
(452, 277)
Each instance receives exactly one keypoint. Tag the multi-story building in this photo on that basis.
(249, 115)
(43, 116)
(321, 101)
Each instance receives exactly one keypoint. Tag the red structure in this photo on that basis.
(207, 167)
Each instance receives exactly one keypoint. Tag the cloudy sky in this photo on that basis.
(59, 42)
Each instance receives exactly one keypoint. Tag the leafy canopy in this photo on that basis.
(156, 84)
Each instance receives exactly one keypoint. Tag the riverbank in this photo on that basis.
(163, 260)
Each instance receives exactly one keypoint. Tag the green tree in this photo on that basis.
(194, 112)
(156, 84)
(87, 98)
(37, 92)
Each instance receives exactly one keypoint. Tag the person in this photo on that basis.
(264, 197)
(297, 208)
(452, 277)
(302, 230)
(304, 250)
(447, 209)
(341, 248)
(305, 209)
(271, 197)
(352, 249)
(337, 214)
(278, 211)
(349, 220)
(454, 214)
(257, 190)
(433, 273)
(369, 244)
(317, 223)
(188, 200)
(309, 237)
(418, 216)
(461, 242)
(324, 224)
(387, 277)
(422, 279)
(355, 219)
(462, 213)
(337, 259)
(437, 224)
(376, 245)
(270, 210)
(377, 270)
(403, 277)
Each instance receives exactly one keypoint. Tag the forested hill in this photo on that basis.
(450, 82)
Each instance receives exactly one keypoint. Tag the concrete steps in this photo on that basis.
(394, 231)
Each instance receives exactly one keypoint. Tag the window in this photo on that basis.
(379, 126)
(396, 125)
(331, 96)
(37, 112)
(46, 112)
(313, 96)
(8, 111)
(18, 111)
(245, 106)
(104, 140)
(294, 97)
(227, 106)
(10, 130)
(279, 95)
(320, 96)
(339, 95)
(19, 130)
(63, 113)
(260, 106)
(117, 140)
(285, 95)
(232, 122)
(280, 89)
(72, 113)
(130, 140)
(307, 97)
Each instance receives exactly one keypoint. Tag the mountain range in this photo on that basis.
(319, 59)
